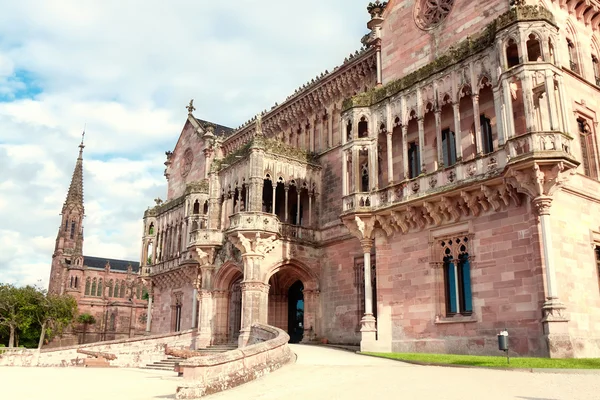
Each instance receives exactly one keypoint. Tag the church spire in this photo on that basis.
(75, 194)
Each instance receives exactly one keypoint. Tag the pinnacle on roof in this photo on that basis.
(75, 194)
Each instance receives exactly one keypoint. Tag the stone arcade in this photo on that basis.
(438, 186)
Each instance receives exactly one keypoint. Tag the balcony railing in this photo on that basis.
(254, 221)
(549, 143)
(427, 184)
(295, 232)
(206, 237)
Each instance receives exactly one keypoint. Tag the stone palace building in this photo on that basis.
(438, 186)
(109, 290)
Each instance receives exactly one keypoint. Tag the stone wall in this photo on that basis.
(130, 353)
(210, 374)
(506, 281)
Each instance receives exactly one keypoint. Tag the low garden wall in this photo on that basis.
(133, 352)
(205, 375)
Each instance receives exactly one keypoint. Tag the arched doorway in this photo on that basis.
(293, 299)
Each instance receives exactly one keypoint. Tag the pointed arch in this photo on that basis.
(227, 274)
(296, 269)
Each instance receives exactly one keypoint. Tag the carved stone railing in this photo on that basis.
(300, 233)
(253, 221)
(164, 266)
(433, 183)
(206, 237)
(539, 144)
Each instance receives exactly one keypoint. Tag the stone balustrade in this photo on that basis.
(254, 221)
(300, 233)
(539, 144)
(206, 237)
(463, 172)
(267, 351)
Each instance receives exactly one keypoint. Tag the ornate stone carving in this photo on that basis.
(430, 13)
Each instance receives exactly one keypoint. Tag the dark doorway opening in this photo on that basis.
(296, 312)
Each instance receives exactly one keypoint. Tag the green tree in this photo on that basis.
(54, 313)
(85, 319)
(17, 309)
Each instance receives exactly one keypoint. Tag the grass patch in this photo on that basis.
(494, 361)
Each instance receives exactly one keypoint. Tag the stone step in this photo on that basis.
(159, 368)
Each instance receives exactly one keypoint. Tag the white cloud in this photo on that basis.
(127, 69)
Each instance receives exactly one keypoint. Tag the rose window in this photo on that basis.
(430, 13)
(188, 159)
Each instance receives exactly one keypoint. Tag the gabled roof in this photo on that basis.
(219, 129)
(115, 265)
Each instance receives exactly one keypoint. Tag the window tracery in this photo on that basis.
(430, 13)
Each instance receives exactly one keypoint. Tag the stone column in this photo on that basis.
(310, 315)
(298, 207)
(405, 150)
(274, 197)
(345, 190)
(527, 100)
(458, 134)
(553, 110)
(509, 118)
(499, 109)
(310, 196)
(390, 158)
(254, 297)
(555, 322)
(368, 323)
(286, 189)
(355, 171)
(194, 307)
(205, 326)
(149, 313)
(421, 144)
(476, 122)
(438, 135)
(563, 104)
(330, 126)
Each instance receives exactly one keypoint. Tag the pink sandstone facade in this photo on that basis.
(437, 187)
(110, 290)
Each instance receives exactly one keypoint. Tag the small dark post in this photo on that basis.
(503, 343)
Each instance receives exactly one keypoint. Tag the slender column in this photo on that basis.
(206, 316)
(421, 144)
(510, 121)
(379, 79)
(355, 170)
(527, 100)
(345, 190)
(476, 122)
(330, 126)
(194, 307)
(458, 135)
(543, 203)
(298, 208)
(500, 117)
(563, 103)
(405, 150)
(310, 196)
(390, 158)
(553, 111)
(274, 197)
(368, 323)
(149, 314)
(286, 189)
(438, 135)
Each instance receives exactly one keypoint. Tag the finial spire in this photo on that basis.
(191, 107)
(81, 145)
(75, 194)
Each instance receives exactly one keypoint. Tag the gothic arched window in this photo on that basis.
(100, 288)
(87, 286)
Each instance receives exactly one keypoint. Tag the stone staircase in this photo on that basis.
(170, 363)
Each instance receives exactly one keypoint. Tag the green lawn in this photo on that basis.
(487, 361)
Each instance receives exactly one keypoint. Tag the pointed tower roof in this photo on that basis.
(75, 194)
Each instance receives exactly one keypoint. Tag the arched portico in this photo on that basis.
(293, 300)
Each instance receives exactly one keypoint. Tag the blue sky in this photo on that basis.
(126, 70)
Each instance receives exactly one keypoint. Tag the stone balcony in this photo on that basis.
(299, 233)
(206, 238)
(254, 221)
(523, 148)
